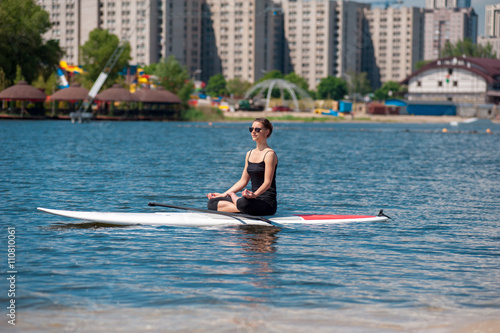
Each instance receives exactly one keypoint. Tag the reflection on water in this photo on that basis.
(84, 225)
(260, 245)
(259, 239)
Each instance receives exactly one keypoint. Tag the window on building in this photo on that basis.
(440, 83)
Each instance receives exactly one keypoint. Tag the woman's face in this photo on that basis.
(259, 134)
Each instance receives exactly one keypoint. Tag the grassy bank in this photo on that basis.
(288, 118)
(360, 118)
(202, 114)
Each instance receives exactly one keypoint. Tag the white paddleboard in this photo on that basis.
(205, 219)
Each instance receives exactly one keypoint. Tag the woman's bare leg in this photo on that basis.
(226, 206)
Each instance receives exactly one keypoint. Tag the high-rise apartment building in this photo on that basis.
(396, 35)
(238, 38)
(436, 4)
(322, 38)
(242, 39)
(132, 20)
(492, 29)
(350, 41)
(447, 25)
(65, 18)
(247, 38)
(492, 21)
(309, 38)
(180, 32)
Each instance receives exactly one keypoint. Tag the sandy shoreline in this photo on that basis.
(358, 118)
(256, 318)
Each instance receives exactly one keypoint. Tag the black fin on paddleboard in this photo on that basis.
(381, 213)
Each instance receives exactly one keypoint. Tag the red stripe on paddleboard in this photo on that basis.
(333, 217)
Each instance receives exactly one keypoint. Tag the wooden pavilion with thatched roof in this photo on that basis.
(72, 95)
(157, 103)
(31, 99)
(116, 102)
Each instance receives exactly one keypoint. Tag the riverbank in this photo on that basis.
(356, 118)
(282, 116)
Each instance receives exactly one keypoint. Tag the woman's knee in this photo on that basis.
(212, 204)
(242, 204)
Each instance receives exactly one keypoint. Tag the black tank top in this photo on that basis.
(256, 171)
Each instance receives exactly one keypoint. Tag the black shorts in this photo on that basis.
(256, 207)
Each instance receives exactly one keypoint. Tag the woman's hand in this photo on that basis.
(213, 195)
(248, 194)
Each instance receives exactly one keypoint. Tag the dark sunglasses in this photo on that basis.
(257, 129)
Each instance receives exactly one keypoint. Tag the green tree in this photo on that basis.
(96, 53)
(216, 85)
(467, 48)
(422, 63)
(22, 24)
(19, 74)
(389, 90)
(274, 74)
(174, 77)
(4, 83)
(49, 85)
(238, 87)
(298, 80)
(150, 69)
(331, 87)
(360, 84)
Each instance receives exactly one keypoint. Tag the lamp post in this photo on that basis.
(349, 81)
(196, 72)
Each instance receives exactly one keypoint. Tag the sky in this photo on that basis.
(478, 5)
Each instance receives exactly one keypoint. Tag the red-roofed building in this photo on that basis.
(460, 80)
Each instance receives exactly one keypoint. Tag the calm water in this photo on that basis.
(434, 268)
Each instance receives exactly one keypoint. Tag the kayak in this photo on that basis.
(208, 218)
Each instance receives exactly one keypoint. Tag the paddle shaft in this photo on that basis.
(216, 212)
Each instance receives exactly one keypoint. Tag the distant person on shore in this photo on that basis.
(260, 169)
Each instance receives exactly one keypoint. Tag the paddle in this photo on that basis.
(235, 215)
(381, 213)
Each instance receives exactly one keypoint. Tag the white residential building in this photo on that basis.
(309, 37)
(180, 32)
(447, 25)
(350, 40)
(493, 41)
(133, 20)
(492, 29)
(492, 21)
(436, 4)
(65, 18)
(243, 38)
(323, 38)
(397, 37)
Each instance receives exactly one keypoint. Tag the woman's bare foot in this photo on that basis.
(233, 196)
